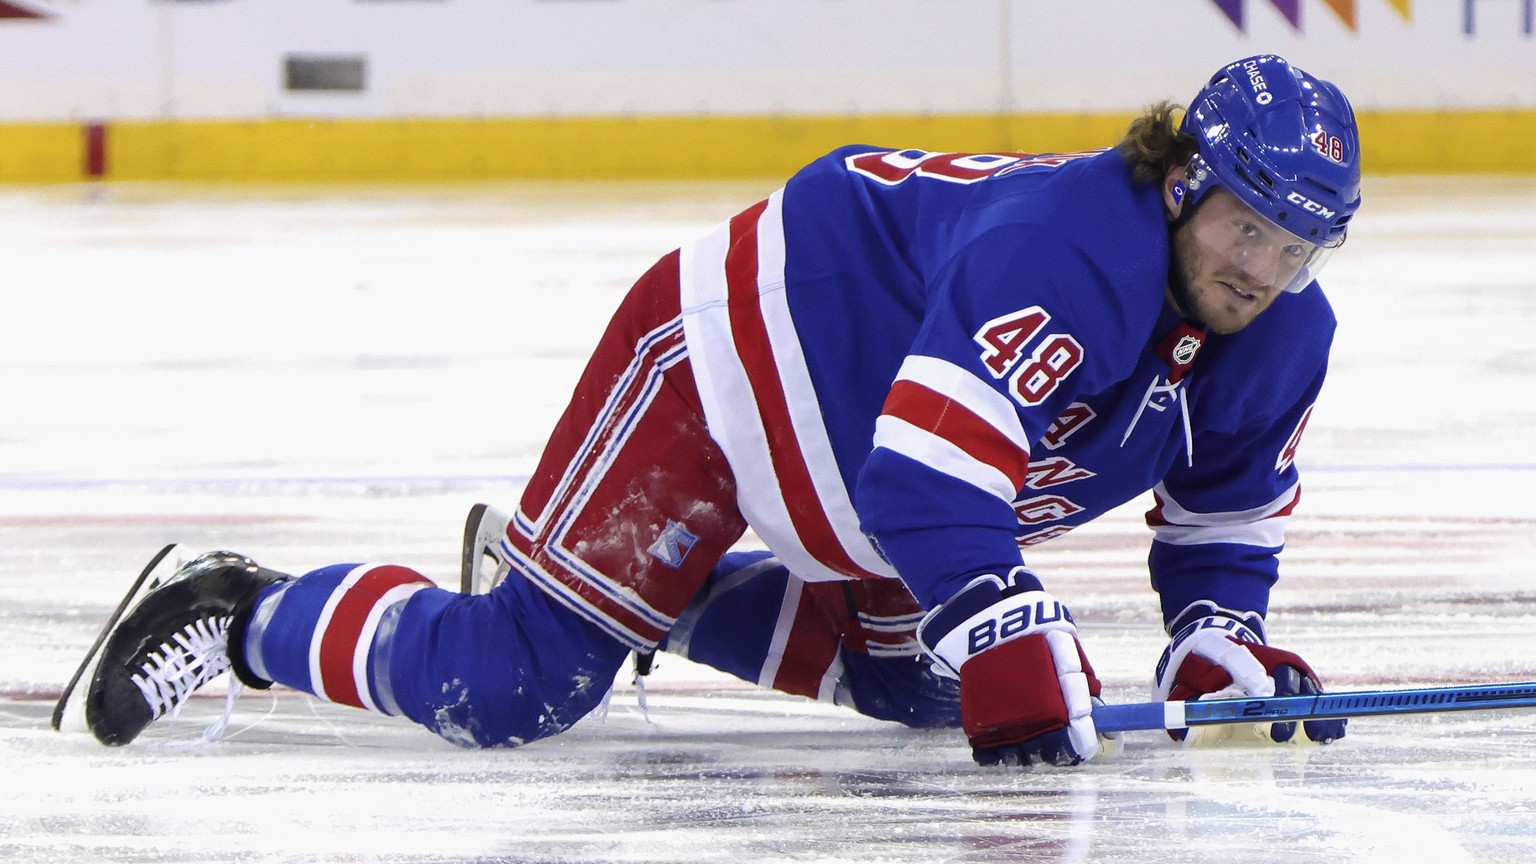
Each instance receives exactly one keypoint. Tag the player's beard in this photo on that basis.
(1198, 285)
(1178, 291)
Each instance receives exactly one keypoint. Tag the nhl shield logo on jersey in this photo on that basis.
(1179, 349)
(674, 544)
(1184, 352)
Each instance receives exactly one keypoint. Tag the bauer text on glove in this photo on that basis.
(1026, 689)
(1220, 653)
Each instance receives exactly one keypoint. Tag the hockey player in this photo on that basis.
(902, 371)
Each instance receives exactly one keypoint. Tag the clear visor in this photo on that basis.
(1262, 252)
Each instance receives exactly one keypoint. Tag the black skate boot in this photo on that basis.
(173, 641)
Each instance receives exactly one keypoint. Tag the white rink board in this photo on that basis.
(222, 59)
(312, 376)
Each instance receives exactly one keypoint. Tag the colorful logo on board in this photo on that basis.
(1347, 11)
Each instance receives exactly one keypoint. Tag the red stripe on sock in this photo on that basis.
(813, 641)
(339, 643)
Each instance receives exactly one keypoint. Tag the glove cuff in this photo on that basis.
(1211, 632)
(1252, 622)
(988, 612)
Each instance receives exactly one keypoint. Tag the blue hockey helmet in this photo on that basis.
(1281, 141)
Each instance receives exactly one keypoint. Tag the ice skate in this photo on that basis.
(482, 563)
(173, 639)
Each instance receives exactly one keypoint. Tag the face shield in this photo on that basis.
(1265, 254)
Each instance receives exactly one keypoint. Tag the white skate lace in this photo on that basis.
(199, 654)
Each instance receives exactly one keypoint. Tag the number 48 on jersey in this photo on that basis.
(1032, 377)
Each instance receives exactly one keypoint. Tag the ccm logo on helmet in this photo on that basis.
(1310, 206)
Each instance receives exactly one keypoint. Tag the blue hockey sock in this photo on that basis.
(322, 633)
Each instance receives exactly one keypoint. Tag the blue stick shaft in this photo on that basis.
(1363, 703)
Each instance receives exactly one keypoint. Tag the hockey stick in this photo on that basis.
(1363, 703)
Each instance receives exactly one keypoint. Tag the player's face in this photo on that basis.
(1233, 262)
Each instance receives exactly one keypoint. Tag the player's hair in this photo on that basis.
(1154, 143)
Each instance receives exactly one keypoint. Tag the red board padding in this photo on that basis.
(95, 146)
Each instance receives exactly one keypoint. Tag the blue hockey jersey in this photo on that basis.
(921, 364)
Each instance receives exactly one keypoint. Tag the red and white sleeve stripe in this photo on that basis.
(948, 419)
(1260, 526)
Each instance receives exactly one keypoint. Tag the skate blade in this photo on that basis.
(481, 567)
(69, 713)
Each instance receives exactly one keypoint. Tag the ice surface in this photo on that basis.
(312, 376)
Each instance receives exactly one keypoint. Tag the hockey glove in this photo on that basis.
(1026, 689)
(1220, 653)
